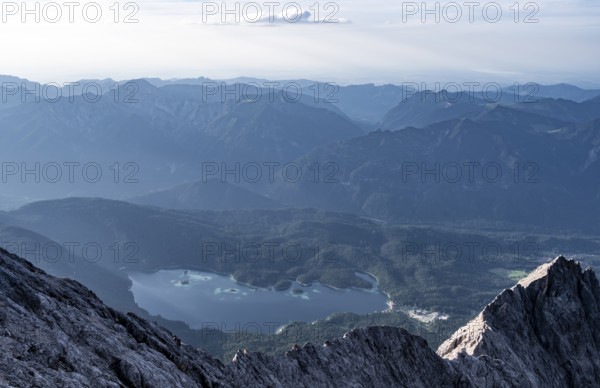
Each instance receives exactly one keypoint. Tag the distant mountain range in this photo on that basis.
(363, 102)
(526, 167)
(558, 91)
(169, 133)
(426, 108)
(165, 136)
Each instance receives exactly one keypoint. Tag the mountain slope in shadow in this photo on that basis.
(212, 194)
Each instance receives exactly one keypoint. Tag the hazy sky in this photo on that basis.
(370, 43)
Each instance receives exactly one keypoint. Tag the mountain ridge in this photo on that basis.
(57, 332)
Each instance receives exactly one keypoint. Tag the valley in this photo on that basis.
(444, 216)
(451, 271)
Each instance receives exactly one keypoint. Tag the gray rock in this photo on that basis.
(544, 332)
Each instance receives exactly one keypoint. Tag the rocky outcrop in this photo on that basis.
(544, 332)
(57, 333)
(376, 356)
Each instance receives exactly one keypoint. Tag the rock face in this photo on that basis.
(57, 333)
(544, 332)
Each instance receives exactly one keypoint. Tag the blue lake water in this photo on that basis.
(205, 299)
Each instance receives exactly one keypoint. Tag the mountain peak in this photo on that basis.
(549, 318)
(550, 270)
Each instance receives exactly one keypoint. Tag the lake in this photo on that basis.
(203, 299)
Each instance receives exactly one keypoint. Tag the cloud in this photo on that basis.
(293, 16)
(304, 17)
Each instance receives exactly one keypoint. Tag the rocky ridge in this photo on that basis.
(544, 332)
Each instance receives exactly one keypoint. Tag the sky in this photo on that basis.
(375, 41)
